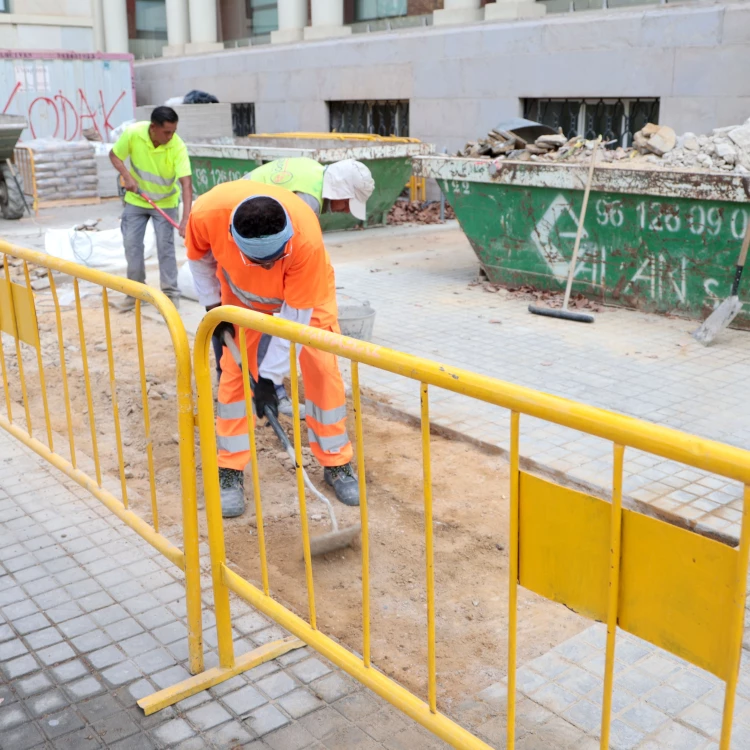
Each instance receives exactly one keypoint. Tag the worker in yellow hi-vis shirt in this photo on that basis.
(159, 168)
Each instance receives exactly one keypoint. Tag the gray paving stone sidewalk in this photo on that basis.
(642, 365)
(419, 279)
(660, 702)
(92, 619)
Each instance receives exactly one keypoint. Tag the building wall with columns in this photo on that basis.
(461, 81)
(49, 25)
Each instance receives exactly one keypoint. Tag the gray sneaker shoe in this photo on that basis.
(285, 403)
(175, 300)
(344, 482)
(232, 485)
(126, 305)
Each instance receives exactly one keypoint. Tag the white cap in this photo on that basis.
(349, 179)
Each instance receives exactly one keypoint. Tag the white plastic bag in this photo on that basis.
(103, 250)
(185, 283)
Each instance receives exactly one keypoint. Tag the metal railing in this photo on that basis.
(417, 188)
(18, 319)
(677, 589)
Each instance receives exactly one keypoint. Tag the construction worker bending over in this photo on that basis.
(158, 162)
(260, 247)
(343, 187)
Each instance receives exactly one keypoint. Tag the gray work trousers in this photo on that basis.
(133, 226)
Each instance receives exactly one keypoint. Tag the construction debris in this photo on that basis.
(405, 212)
(726, 149)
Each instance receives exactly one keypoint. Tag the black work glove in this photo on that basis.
(265, 395)
(223, 328)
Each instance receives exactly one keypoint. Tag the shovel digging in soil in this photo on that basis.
(336, 538)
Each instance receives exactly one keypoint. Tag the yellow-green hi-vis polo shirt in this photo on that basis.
(156, 169)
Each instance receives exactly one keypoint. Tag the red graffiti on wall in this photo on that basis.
(70, 117)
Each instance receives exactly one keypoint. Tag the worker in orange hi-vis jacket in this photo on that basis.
(260, 247)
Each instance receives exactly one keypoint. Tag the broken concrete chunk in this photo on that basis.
(554, 141)
(39, 284)
(741, 137)
(690, 142)
(650, 129)
(727, 152)
(662, 141)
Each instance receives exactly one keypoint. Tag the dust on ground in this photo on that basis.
(470, 512)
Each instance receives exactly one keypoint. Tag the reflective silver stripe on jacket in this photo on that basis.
(251, 299)
(235, 410)
(156, 197)
(151, 177)
(233, 443)
(325, 416)
(328, 444)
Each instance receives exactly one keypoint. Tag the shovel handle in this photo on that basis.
(741, 261)
(283, 439)
(159, 211)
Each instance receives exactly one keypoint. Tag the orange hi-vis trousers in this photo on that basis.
(325, 401)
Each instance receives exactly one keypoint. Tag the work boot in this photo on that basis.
(232, 486)
(175, 300)
(285, 403)
(344, 483)
(127, 304)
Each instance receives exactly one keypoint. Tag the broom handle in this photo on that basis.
(741, 261)
(579, 233)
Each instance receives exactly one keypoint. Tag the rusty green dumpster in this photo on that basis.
(389, 160)
(653, 239)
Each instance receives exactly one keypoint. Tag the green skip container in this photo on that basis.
(389, 160)
(653, 239)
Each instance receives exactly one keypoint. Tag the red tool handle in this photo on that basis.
(156, 208)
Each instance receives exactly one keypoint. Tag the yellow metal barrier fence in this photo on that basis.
(670, 586)
(417, 189)
(18, 319)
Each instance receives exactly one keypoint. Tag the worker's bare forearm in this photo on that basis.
(186, 183)
(119, 164)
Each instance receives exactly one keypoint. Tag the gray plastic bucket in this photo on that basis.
(356, 319)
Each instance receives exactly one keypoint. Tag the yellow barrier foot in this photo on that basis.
(167, 697)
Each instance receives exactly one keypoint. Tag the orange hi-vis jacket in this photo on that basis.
(304, 279)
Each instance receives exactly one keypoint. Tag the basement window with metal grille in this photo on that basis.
(373, 117)
(243, 119)
(614, 119)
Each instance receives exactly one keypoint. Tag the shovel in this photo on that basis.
(728, 310)
(336, 538)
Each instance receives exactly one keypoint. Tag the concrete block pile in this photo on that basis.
(64, 170)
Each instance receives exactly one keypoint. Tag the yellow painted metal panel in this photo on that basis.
(21, 314)
(564, 545)
(676, 591)
(676, 586)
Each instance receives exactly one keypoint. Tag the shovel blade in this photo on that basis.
(334, 540)
(718, 320)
